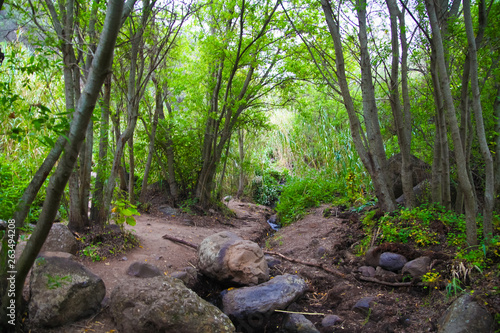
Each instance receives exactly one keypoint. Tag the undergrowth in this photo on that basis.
(429, 225)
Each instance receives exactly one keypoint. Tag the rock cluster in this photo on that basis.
(387, 264)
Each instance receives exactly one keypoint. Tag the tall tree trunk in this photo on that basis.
(453, 124)
(131, 180)
(489, 190)
(152, 137)
(102, 163)
(496, 111)
(169, 150)
(400, 120)
(369, 152)
(100, 67)
(241, 150)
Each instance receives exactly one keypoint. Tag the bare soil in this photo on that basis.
(329, 241)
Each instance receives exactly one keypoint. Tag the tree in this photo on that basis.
(101, 65)
(369, 148)
(444, 82)
(242, 69)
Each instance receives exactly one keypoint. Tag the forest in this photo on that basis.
(285, 103)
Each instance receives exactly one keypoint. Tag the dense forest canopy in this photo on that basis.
(287, 102)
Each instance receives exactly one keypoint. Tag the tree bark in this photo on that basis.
(489, 191)
(453, 124)
(370, 152)
(241, 150)
(102, 163)
(100, 68)
(403, 129)
(152, 138)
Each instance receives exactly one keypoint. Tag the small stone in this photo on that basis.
(382, 272)
(368, 271)
(417, 267)
(330, 320)
(143, 270)
(392, 261)
(297, 323)
(124, 259)
(363, 305)
(272, 261)
(320, 252)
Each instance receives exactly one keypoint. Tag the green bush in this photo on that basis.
(267, 186)
(299, 194)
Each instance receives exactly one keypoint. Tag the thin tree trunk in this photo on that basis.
(496, 110)
(489, 191)
(152, 137)
(102, 163)
(453, 124)
(241, 178)
(131, 180)
(100, 67)
(169, 150)
(399, 117)
(370, 159)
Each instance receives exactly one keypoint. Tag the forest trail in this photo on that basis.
(249, 223)
(326, 240)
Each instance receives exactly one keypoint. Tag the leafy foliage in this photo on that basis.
(124, 212)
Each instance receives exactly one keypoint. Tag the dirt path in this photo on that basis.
(326, 241)
(249, 222)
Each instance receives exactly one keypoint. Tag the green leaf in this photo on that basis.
(130, 221)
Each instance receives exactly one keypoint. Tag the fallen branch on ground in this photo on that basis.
(173, 239)
(329, 270)
(385, 283)
(321, 266)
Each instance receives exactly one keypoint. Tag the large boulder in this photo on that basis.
(466, 315)
(226, 257)
(62, 291)
(164, 304)
(278, 293)
(60, 239)
(420, 172)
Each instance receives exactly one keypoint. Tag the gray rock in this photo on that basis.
(367, 271)
(263, 299)
(465, 315)
(363, 305)
(143, 270)
(189, 276)
(164, 304)
(380, 272)
(272, 261)
(60, 239)
(169, 211)
(64, 255)
(226, 257)
(320, 252)
(417, 267)
(62, 291)
(297, 323)
(330, 320)
(392, 261)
